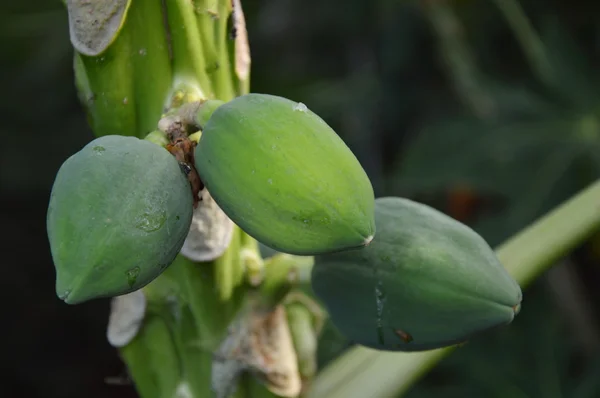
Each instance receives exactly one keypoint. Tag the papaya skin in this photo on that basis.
(426, 281)
(119, 212)
(285, 177)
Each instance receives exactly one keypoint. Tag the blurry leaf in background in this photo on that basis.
(528, 154)
(522, 163)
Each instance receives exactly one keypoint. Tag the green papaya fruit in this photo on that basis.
(119, 212)
(425, 282)
(285, 177)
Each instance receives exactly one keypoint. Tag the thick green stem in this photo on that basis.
(206, 10)
(186, 46)
(145, 358)
(223, 77)
(368, 373)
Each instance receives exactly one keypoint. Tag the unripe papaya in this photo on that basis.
(425, 282)
(285, 177)
(119, 212)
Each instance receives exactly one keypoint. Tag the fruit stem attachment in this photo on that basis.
(176, 126)
(196, 136)
(191, 116)
(157, 137)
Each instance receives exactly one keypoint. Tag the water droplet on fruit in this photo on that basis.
(142, 52)
(132, 275)
(270, 181)
(99, 149)
(151, 221)
(300, 107)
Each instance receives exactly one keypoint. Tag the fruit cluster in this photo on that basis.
(392, 273)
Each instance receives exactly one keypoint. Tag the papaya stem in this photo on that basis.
(241, 53)
(157, 137)
(223, 78)
(182, 118)
(192, 42)
(182, 148)
(176, 126)
(362, 372)
(189, 117)
(205, 16)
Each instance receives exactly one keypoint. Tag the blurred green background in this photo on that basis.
(488, 110)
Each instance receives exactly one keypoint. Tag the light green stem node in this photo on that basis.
(305, 338)
(205, 111)
(254, 266)
(157, 137)
(196, 136)
(192, 116)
